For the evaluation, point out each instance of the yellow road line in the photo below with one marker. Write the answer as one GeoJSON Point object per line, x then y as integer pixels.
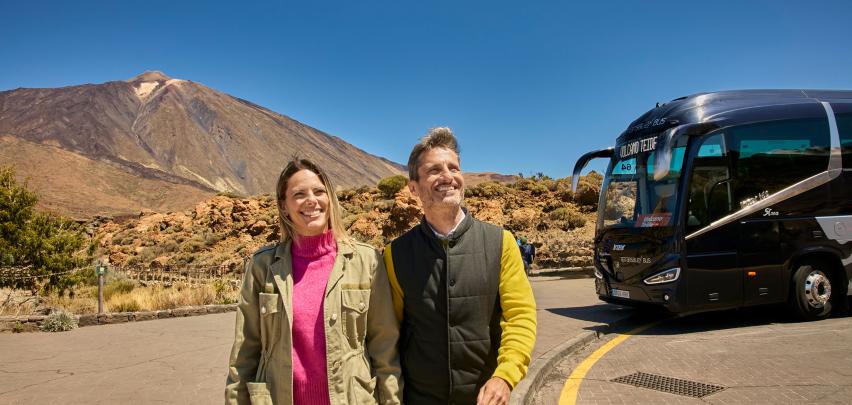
{"type": "Point", "coordinates": [572, 384]}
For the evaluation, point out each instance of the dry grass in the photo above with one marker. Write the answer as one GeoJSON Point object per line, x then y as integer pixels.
{"type": "Point", "coordinates": [85, 298]}
{"type": "Point", "coordinates": [179, 295]}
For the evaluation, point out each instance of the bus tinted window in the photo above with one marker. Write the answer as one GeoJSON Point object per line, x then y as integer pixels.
{"type": "Point", "coordinates": [844, 125]}
{"type": "Point", "coordinates": [771, 156]}
{"type": "Point", "coordinates": [709, 185]}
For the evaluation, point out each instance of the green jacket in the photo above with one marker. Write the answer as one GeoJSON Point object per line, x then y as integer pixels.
{"type": "Point", "coordinates": [361, 331]}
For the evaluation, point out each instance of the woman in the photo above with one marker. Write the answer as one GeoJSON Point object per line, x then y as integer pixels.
{"type": "Point", "coordinates": [315, 322]}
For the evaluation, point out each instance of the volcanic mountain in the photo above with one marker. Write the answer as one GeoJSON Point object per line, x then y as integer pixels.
{"type": "Point", "coordinates": [154, 142]}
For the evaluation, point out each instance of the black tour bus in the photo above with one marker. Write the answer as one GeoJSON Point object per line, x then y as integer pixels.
{"type": "Point", "coordinates": [729, 199]}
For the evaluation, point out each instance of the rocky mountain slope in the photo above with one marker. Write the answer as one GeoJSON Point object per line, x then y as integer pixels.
{"type": "Point", "coordinates": [122, 139]}
{"type": "Point", "coordinates": [225, 230]}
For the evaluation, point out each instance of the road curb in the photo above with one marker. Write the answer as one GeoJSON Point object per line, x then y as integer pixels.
{"type": "Point", "coordinates": [539, 369]}
{"type": "Point", "coordinates": [525, 390]}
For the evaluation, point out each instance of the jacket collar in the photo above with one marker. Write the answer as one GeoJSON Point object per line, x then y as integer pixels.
{"type": "Point", "coordinates": [456, 234]}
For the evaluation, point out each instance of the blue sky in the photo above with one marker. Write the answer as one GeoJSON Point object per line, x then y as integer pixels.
{"type": "Point", "coordinates": [526, 86]}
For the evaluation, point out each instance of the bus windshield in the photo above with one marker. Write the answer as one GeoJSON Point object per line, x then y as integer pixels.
{"type": "Point", "coordinates": [630, 196]}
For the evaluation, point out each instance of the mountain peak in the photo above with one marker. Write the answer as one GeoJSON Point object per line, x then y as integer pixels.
{"type": "Point", "coordinates": [150, 76]}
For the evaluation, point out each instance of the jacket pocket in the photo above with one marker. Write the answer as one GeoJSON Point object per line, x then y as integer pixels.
{"type": "Point", "coordinates": [355, 305]}
{"type": "Point", "coordinates": [259, 393]}
{"type": "Point", "coordinates": [269, 304]}
{"type": "Point", "coordinates": [362, 391]}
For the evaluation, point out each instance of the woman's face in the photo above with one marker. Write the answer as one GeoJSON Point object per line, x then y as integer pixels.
{"type": "Point", "coordinates": [306, 203]}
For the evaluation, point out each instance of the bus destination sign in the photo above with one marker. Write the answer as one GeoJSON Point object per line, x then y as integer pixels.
{"type": "Point", "coordinates": [642, 145]}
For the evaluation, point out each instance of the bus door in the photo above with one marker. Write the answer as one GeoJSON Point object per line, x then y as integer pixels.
{"type": "Point", "coordinates": [714, 279]}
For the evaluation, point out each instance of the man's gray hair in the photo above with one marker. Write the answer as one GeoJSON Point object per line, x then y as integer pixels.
{"type": "Point", "coordinates": [440, 137]}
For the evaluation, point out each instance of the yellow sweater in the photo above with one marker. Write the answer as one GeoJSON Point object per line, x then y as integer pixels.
{"type": "Point", "coordinates": [516, 301]}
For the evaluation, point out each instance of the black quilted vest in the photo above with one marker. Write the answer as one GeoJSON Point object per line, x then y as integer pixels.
{"type": "Point", "coordinates": [451, 321]}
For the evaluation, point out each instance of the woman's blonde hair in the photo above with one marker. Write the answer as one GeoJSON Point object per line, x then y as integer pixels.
{"type": "Point", "coordinates": [334, 216]}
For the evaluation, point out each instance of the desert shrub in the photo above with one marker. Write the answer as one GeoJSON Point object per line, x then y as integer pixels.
{"type": "Point", "coordinates": [389, 186]}
{"type": "Point", "coordinates": [383, 205]}
{"type": "Point", "coordinates": [224, 292]}
{"type": "Point", "coordinates": [569, 218]}
{"type": "Point", "coordinates": [146, 255]}
{"type": "Point", "coordinates": [211, 238]}
{"type": "Point", "coordinates": [349, 220]}
{"type": "Point", "coordinates": [538, 188]}
{"type": "Point", "coordinates": [345, 194]}
{"type": "Point", "coordinates": [487, 189]}
{"type": "Point", "coordinates": [552, 185]}
{"type": "Point", "coordinates": [523, 184]}
{"type": "Point", "coordinates": [352, 209]}
{"type": "Point", "coordinates": [587, 191]}
{"type": "Point", "coordinates": [193, 245]}
{"type": "Point", "coordinates": [551, 205]}
{"type": "Point", "coordinates": [564, 194]}
{"type": "Point", "coordinates": [169, 246]}
{"type": "Point", "coordinates": [59, 321]}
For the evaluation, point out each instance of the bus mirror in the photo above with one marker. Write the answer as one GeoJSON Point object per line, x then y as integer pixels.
{"type": "Point", "coordinates": [663, 157]}
{"type": "Point", "coordinates": [581, 163]}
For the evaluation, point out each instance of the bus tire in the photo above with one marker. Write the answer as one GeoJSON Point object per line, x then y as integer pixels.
{"type": "Point", "coordinates": [811, 296]}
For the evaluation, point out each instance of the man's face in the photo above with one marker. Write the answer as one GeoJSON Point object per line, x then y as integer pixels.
{"type": "Point", "coordinates": [440, 181]}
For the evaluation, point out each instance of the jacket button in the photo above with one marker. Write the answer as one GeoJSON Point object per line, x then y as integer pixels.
{"type": "Point", "coordinates": [361, 305]}
{"type": "Point", "coordinates": [451, 244]}
{"type": "Point", "coordinates": [333, 317]}
{"type": "Point", "coordinates": [262, 310]}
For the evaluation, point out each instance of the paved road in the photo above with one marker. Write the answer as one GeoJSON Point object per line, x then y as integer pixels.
{"type": "Point", "coordinates": [759, 356]}
{"type": "Point", "coordinates": [183, 361]}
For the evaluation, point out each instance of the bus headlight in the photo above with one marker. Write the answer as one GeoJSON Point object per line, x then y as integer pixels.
{"type": "Point", "coordinates": [598, 274]}
{"type": "Point", "coordinates": [664, 276]}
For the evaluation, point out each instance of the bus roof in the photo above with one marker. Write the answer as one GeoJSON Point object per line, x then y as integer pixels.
{"type": "Point", "coordinates": [731, 108]}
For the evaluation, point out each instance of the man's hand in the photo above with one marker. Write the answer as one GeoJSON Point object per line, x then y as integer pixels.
{"type": "Point", "coordinates": [495, 392]}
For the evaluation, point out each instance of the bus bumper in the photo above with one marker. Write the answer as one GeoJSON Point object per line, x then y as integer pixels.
{"type": "Point", "coordinates": [665, 296]}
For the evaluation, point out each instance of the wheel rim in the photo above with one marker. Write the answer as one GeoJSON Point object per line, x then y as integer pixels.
{"type": "Point", "coordinates": [817, 289]}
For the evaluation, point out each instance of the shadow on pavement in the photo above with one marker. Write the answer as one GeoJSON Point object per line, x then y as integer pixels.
{"type": "Point", "coordinates": [706, 321]}
{"type": "Point", "coordinates": [594, 313]}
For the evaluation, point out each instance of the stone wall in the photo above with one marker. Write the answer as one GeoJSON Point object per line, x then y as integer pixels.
{"type": "Point", "coordinates": [31, 323]}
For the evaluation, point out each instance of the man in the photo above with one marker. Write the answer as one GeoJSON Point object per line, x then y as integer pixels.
{"type": "Point", "coordinates": [466, 309]}
{"type": "Point", "coordinates": [527, 253]}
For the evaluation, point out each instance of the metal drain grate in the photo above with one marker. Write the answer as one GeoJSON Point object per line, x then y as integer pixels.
{"type": "Point", "coordinates": [669, 384]}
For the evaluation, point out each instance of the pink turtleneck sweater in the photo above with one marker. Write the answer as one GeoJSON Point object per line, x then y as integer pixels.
{"type": "Point", "coordinates": [313, 258]}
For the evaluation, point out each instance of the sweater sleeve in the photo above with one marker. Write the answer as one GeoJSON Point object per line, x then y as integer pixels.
{"type": "Point", "coordinates": [519, 315]}
{"type": "Point", "coordinates": [396, 290]}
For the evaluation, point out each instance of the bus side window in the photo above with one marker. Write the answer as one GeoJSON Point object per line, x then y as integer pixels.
{"type": "Point", "coordinates": [709, 185]}
{"type": "Point", "coordinates": [770, 156]}
{"type": "Point", "coordinates": [844, 125]}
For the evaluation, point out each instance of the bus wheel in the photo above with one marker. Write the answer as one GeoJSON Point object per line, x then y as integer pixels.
{"type": "Point", "coordinates": [811, 295]}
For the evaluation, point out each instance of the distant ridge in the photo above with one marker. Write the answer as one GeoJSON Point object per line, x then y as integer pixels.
{"type": "Point", "coordinates": [177, 133]}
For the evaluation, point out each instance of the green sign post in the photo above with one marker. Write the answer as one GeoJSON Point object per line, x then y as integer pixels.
{"type": "Point", "coordinates": [100, 270]}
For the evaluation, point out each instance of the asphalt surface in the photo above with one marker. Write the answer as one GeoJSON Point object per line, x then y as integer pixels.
{"type": "Point", "coordinates": [184, 360]}
{"type": "Point", "coordinates": [755, 356]}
